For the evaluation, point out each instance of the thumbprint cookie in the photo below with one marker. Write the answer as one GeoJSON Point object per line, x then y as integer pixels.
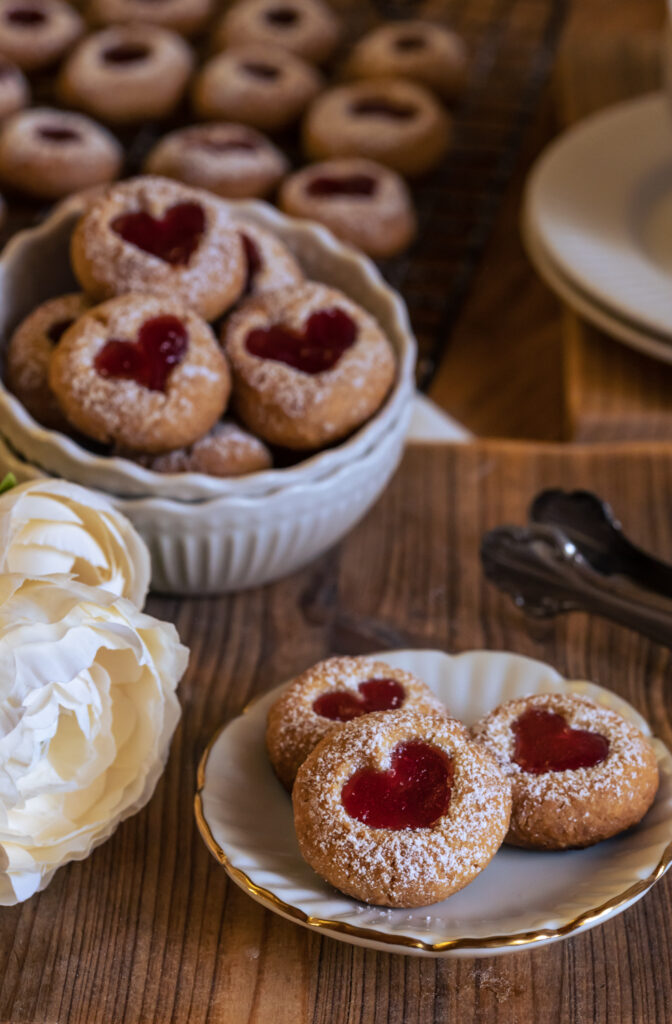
{"type": "Point", "coordinates": [231, 160]}
{"type": "Point", "coordinates": [157, 236]}
{"type": "Point", "coordinates": [227, 450]}
{"type": "Point", "coordinates": [36, 33]}
{"type": "Point", "coordinates": [183, 16]}
{"type": "Point", "coordinates": [362, 202]}
{"type": "Point", "coordinates": [308, 28]}
{"type": "Point", "coordinates": [309, 365]}
{"type": "Point", "coordinates": [50, 153]}
{"type": "Point", "coordinates": [400, 808]}
{"type": "Point", "coordinates": [143, 373]}
{"type": "Point", "coordinates": [270, 264]}
{"type": "Point", "coordinates": [260, 85]}
{"type": "Point", "coordinates": [334, 691]}
{"type": "Point", "coordinates": [14, 90]}
{"type": "Point", "coordinates": [29, 354]}
{"type": "Point", "coordinates": [427, 53]}
{"type": "Point", "coordinates": [127, 73]}
{"type": "Point", "coordinates": [579, 772]}
{"type": "Point", "coordinates": [396, 122]}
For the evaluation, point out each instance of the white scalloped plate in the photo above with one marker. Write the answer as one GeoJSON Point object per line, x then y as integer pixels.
{"type": "Point", "coordinates": [522, 899]}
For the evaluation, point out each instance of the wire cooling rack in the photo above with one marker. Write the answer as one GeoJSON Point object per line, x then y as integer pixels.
{"type": "Point", "coordinates": [511, 45]}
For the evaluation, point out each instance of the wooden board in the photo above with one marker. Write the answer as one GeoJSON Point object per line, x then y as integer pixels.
{"type": "Point", "coordinates": [148, 929]}
{"type": "Point", "coordinates": [610, 52]}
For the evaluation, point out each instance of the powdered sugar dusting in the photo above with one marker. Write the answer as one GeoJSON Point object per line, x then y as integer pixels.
{"type": "Point", "coordinates": [294, 728]}
{"type": "Point", "coordinates": [108, 265]}
{"type": "Point", "coordinates": [208, 156]}
{"type": "Point", "coordinates": [123, 411]}
{"type": "Point", "coordinates": [616, 782]}
{"type": "Point", "coordinates": [278, 266]}
{"type": "Point", "coordinates": [363, 217]}
{"type": "Point", "coordinates": [227, 450]}
{"type": "Point", "coordinates": [294, 393]}
{"type": "Point", "coordinates": [408, 867]}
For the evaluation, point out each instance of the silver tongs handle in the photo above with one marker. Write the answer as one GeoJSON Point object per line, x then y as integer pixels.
{"type": "Point", "coordinates": [545, 573]}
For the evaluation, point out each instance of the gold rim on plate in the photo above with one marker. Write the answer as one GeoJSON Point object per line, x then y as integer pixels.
{"type": "Point", "coordinates": [518, 939]}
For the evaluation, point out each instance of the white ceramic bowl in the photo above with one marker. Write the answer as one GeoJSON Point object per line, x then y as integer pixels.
{"type": "Point", "coordinates": [232, 543]}
{"type": "Point", "coordinates": [35, 266]}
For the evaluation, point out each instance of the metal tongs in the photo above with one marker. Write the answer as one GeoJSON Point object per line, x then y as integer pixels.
{"type": "Point", "coordinates": [574, 556]}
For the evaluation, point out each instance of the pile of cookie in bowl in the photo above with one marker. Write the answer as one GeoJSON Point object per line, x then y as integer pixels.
{"type": "Point", "coordinates": [239, 382]}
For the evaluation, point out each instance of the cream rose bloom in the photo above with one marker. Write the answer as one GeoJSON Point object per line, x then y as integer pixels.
{"type": "Point", "coordinates": [87, 711]}
{"type": "Point", "coordinates": [53, 526]}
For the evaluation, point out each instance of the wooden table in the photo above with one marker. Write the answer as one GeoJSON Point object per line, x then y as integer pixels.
{"type": "Point", "coordinates": [149, 929]}
{"type": "Point", "coordinates": [517, 364]}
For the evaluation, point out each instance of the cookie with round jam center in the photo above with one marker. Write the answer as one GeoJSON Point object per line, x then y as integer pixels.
{"type": "Point", "coordinates": [353, 185]}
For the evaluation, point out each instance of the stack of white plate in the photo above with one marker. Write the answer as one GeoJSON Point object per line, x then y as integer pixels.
{"type": "Point", "coordinates": [597, 221]}
{"type": "Point", "coordinates": [205, 534]}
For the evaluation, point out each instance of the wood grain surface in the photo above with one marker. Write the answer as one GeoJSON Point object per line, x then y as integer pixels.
{"type": "Point", "coordinates": [148, 929]}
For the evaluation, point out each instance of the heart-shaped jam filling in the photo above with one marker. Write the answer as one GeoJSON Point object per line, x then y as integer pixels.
{"type": "Point", "coordinates": [172, 238]}
{"type": "Point", "coordinates": [253, 257]}
{"type": "Point", "coordinates": [376, 695]}
{"type": "Point", "coordinates": [160, 346]}
{"type": "Point", "coordinates": [283, 17]}
{"type": "Point", "coordinates": [55, 134]}
{"type": "Point", "coordinates": [26, 16]}
{"type": "Point", "coordinates": [258, 70]}
{"type": "Point", "coordinates": [325, 337]}
{"type": "Point", "coordinates": [408, 43]}
{"type": "Point", "coordinates": [545, 742]}
{"type": "Point", "coordinates": [126, 53]}
{"type": "Point", "coordinates": [384, 108]}
{"type": "Point", "coordinates": [352, 185]}
{"type": "Point", "coordinates": [57, 330]}
{"type": "Point", "coordinates": [413, 793]}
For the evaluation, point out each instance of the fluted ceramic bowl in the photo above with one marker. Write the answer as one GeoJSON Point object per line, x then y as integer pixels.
{"type": "Point", "coordinates": [235, 542]}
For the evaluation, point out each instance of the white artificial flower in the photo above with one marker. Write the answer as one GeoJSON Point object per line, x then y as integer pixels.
{"type": "Point", "coordinates": [87, 712]}
{"type": "Point", "coordinates": [53, 526]}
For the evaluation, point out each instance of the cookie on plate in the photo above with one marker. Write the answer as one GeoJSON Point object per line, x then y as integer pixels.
{"type": "Point", "coordinates": [400, 808]}
{"type": "Point", "coordinates": [579, 772]}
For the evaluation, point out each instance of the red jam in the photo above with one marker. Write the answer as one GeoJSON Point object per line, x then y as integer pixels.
{"type": "Point", "coordinates": [226, 145]}
{"type": "Point", "coordinates": [384, 108]}
{"type": "Point", "coordinates": [282, 16]}
{"type": "Point", "coordinates": [407, 43]}
{"type": "Point", "coordinates": [413, 793]}
{"type": "Point", "coordinates": [161, 345]}
{"type": "Point", "coordinates": [173, 237]}
{"type": "Point", "coordinates": [57, 330]}
{"type": "Point", "coordinates": [126, 53]}
{"type": "Point", "coordinates": [58, 134]}
{"type": "Point", "coordinates": [545, 742]}
{"type": "Point", "coordinates": [325, 337]}
{"type": "Point", "coordinates": [353, 185]}
{"type": "Point", "coordinates": [261, 70]}
{"type": "Point", "coordinates": [376, 695]}
{"type": "Point", "coordinates": [253, 257]}
{"type": "Point", "coordinates": [26, 16]}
